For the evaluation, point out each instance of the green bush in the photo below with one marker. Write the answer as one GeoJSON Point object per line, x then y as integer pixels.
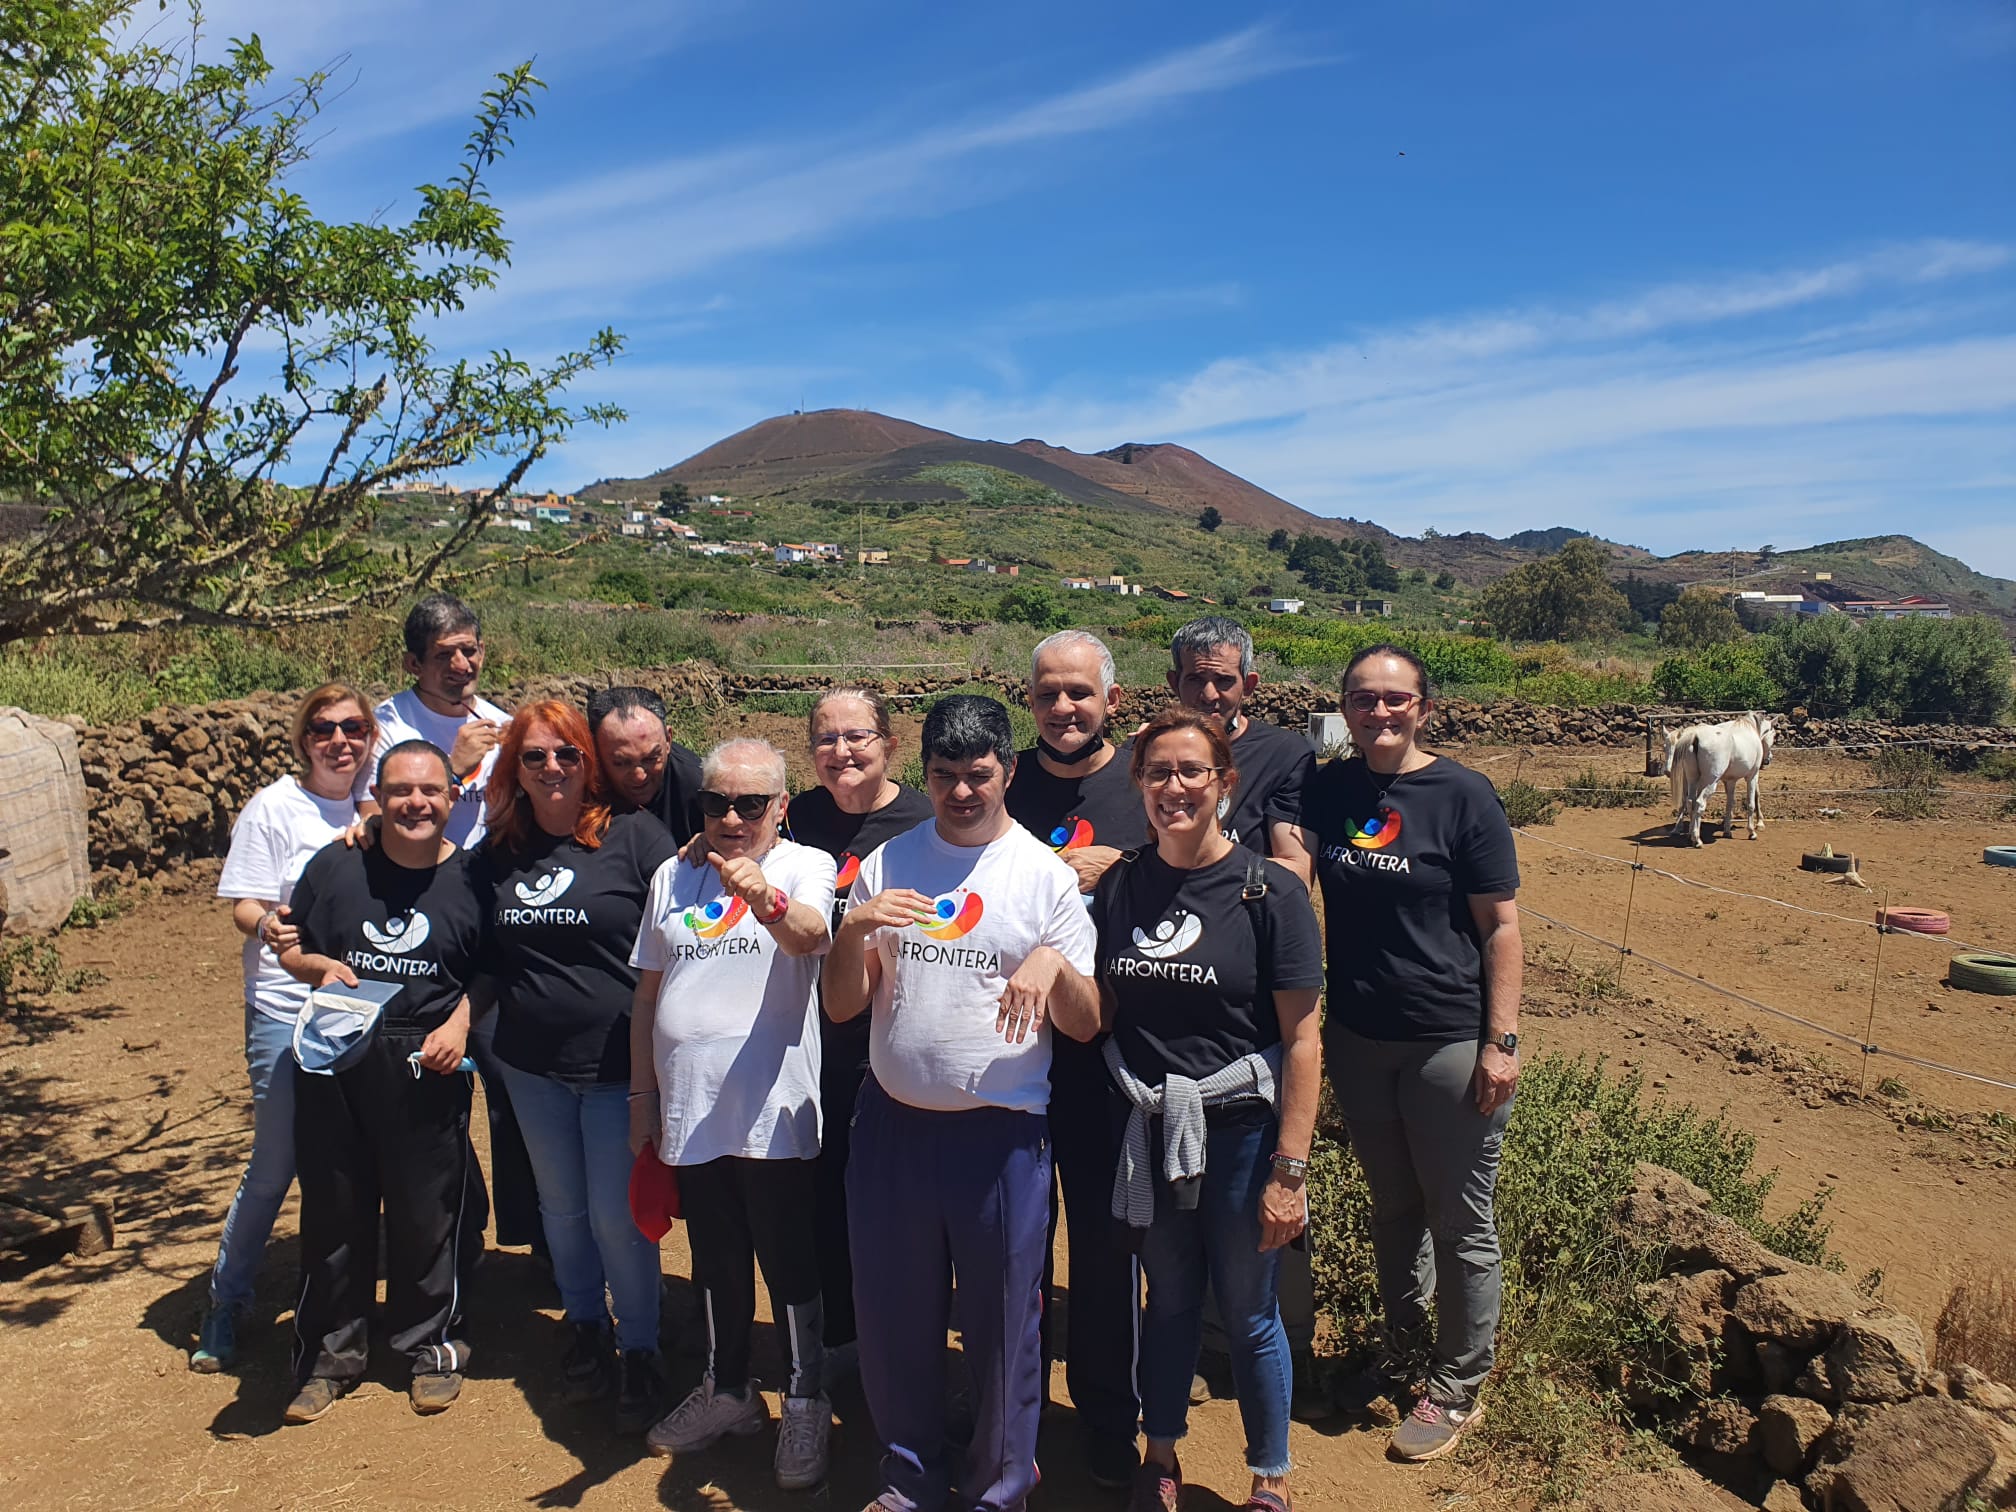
{"type": "Point", "coordinates": [1031, 605]}
{"type": "Point", "coordinates": [1910, 778]}
{"type": "Point", "coordinates": [1593, 788]}
{"type": "Point", "coordinates": [1527, 804]}
{"type": "Point", "coordinates": [623, 585]}
{"type": "Point", "coordinates": [1571, 1317]}
{"type": "Point", "coordinates": [1813, 657]}
{"type": "Point", "coordinates": [1734, 675]}
{"type": "Point", "coordinates": [1955, 669]}
{"type": "Point", "coordinates": [1467, 660]}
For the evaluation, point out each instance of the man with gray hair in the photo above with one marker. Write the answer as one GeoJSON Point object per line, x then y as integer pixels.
{"type": "Point", "coordinates": [1213, 674]}
{"type": "Point", "coordinates": [647, 769]}
{"type": "Point", "coordinates": [1072, 792]}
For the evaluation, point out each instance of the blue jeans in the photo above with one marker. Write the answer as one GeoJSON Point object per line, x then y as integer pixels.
{"type": "Point", "coordinates": [269, 1056]}
{"type": "Point", "coordinates": [579, 1141]}
{"type": "Point", "coordinates": [1218, 1243]}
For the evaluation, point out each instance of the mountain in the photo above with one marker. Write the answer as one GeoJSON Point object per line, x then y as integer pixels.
{"type": "Point", "coordinates": [858, 456]}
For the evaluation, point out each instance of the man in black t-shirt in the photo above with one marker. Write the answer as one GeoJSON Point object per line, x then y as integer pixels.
{"type": "Point", "coordinates": [392, 1125]}
{"type": "Point", "coordinates": [1072, 792]}
{"type": "Point", "coordinates": [647, 769]}
{"type": "Point", "coordinates": [1213, 674]}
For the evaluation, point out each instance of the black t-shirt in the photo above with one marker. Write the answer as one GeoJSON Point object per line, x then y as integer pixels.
{"type": "Point", "coordinates": [814, 819]}
{"type": "Point", "coordinates": [1192, 977]}
{"type": "Point", "coordinates": [1070, 813]}
{"type": "Point", "coordinates": [562, 921]}
{"type": "Point", "coordinates": [1400, 859]}
{"type": "Point", "coordinates": [676, 806]}
{"type": "Point", "coordinates": [1275, 765]}
{"type": "Point", "coordinates": [421, 927]}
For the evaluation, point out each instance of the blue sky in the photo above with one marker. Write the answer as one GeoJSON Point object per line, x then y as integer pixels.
{"type": "Point", "coordinates": [1707, 276]}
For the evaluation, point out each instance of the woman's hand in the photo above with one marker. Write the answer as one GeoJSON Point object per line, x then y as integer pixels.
{"type": "Point", "coordinates": [1497, 1074]}
{"type": "Point", "coordinates": [643, 1120]}
{"type": "Point", "coordinates": [362, 833]}
{"type": "Point", "coordinates": [695, 851]}
{"type": "Point", "coordinates": [892, 908]}
{"type": "Point", "coordinates": [744, 878]}
{"type": "Point", "coordinates": [278, 932]}
{"type": "Point", "coordinates": [1284, 1211]}
{"type": "Point", "coordinates": [337, 973]}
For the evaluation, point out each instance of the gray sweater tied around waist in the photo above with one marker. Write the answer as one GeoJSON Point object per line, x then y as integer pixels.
{"type": "Point", "coordinates": [1180, 1103]}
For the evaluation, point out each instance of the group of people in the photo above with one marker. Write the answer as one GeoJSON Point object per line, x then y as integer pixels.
{"type": "Point", "coordinates": [877, 1039]}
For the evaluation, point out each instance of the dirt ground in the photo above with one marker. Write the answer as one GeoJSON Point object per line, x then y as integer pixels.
{"type": "Point", "coordinates": [135, 1088]}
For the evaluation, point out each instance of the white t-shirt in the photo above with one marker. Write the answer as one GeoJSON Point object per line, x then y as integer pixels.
{"type": "Point", "coordinates": [404, 717]}
{"type": "Point", "coordinates": [735, 1038]}
{"type": "Point", "coordinates": [277, 831]}
{"type": "Point", "coordinates": [932, 1041]}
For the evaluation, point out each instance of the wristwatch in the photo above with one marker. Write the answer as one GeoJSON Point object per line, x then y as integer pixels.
{"type": "Point", "coordinates": [1508, 1042]}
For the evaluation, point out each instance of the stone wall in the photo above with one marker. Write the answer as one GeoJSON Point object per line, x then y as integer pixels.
{"type": "Point", "coordinates": [165, 788]}
{"type": "Point", "coordinates": [1795, 1389]}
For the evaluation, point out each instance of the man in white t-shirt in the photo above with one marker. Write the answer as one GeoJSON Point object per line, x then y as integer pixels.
{"type": "Point", "coordinates": [444, 657]}
{"type": "Point", "coordinates": [968, 942]}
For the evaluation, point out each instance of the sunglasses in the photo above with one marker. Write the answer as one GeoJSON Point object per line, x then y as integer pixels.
{"type": "Point", "coordinates": [532, 758]}
{"type": "Point", "coordinates": [1364, 701]}
{"type": "Point", "coordinates": [322, 729]}
{"type": "Point", "coordinates": [747, 806]}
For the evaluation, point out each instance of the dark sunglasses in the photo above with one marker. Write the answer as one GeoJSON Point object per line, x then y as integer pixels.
{"type": "Point", "coordinates": [322, 729]}
{"type": "Point", "coordinates": [534, 759]}
{"type": "Point", "coordinates": [748, 806]}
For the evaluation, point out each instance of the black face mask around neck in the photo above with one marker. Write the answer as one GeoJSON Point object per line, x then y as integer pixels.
{"type": "Point", "coordinates": [1078, 757]}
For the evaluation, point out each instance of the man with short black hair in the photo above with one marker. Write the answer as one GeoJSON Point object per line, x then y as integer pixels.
{"type": "Point", "coordinates": [966, 939]}
{"type": "Point", "coordinates": [647, 769]}
{"type": "Point", "coordinates": [386, 1120]}
{"type": "Point", "coordinates": [1072, 791]}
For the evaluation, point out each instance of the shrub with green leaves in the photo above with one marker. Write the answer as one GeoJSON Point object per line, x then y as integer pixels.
{"type": "Point", "coordinates": [1594, 788]}
{"type": "Point", "coordinates": [1571, 1316]}
{"type": "Point", "coordinates": [1733, 675]}
{"type": "Point", "coordinates": [1527, 804]}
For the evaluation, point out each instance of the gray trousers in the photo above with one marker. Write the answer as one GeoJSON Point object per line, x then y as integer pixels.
{"type": "Point", "coordinates": [1431, 1161]}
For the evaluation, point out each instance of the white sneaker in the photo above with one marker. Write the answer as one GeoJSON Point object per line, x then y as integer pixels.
{"type": "Point", "coordinates": [801, 1443]}
{"type": "Point", "coordinates": [707, 1416]}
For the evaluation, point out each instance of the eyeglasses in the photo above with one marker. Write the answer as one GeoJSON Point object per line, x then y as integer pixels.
{"type": "Point", "coordinates": [846, 738]}
{"type": "Point", "coordinates": [322, 729]}
{"type": "Point", "coordinates": [746, 805]}
{"type": "Point", "coordinates": [533, 758]}
{"type": "Point", "coordinates": [1189, 773]}
{"type": "Point", "coordinates": [1364, 701]}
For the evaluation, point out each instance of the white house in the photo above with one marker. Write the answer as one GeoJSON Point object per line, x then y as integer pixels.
{"type": "Point", "coordinates": [633, 528]}
{"type": "Point", "coordinates": [1285, 605]}
{"type": "Point", "coordinates": [792, 553]}
{"type": "Point", "coordinates": [1080, 585]}
{"type": "Point", "coordinates": [553, 514]}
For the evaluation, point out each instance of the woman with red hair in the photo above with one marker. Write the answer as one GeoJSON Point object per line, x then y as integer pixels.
{"type": "Point", "coordinates": [563, 881]}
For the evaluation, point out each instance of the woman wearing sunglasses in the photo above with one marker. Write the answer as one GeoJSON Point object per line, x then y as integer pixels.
{"type": "Point", "coordinates": [725, 1086]}
{"type": "Point", "coordinates": [854, 809]}
{"type": "Point", "coordinates": [563, 880]}
{"type": "Point", "coordinates": [1210, 965]}
{"type": "Point", "coordinates": [1421, 1039]}
{"type": "Point", "coordinates": [281, 826]}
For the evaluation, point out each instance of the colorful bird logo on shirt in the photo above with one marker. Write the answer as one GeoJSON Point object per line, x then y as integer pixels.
{"type": "Point", "coordinates": [1073, 834]}
{"type": "Point", "coordinates": [950, 918]}
{"type": "Point", "coordinates": [715, 919]}
{"type": "Point", "coordinates": [1377, 832]}
{"type": "Point", "coordinates": [850, 868]}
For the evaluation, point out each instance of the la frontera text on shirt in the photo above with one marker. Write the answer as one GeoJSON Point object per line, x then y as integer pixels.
{"type": "Point", "coordinates": [1366, 860]}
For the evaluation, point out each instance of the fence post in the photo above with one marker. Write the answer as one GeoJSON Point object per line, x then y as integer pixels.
{"type": "Point", "coordinates": [1630, 897]}
{"type": "Point", "coordinates": [1875, 979]}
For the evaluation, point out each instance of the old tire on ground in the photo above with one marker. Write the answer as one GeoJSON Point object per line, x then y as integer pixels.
{"type": "Point", "coordinates": [2000, 855]}
{"type": "Point", "coordinates": [1979, 971]}
{"type": "Point", "coordinates": [1917, 920]}
{"type": "Point", "coordinates": [1814, 861]}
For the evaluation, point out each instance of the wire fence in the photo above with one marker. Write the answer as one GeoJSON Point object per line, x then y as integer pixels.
{"type": "Point", "coordinates": [1864, 1044]}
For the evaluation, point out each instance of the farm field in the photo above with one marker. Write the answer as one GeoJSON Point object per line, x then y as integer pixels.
{"type": "Point", "coordinates": [139, 1082]}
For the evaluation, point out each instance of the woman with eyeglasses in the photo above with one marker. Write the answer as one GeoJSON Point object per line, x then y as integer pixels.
{"type": "Point", "coordinates": [854, 809]}
{"type": "Point", "coordinates": [280, 828]}
{"type": "Point", "coordinates": [725, 1087]}
{"type": "Point", "coordinates": [1421, 1039]}
{"type": "Point", "coordinates": [563, 881]}
{"type": "Point", "coordinates": [1210, 965]}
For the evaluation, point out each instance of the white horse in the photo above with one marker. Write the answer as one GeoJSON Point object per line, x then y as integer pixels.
{"type": "Point", "coordinates": [1703, 757]}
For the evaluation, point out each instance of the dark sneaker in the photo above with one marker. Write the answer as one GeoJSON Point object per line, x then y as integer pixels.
{"type": "Point", "coordinates": [1433, 1428]}
{"type": "Point", "coordinates": [1310, 1402]}
{"type": "Point", "coordinates": [435, 1391]}
{"type": "Point", "coordinates": [1111, 1462]}
{"type": "Point", "coordinates": [588, 1368]}
{"type": "Point", "coordinates": [216, 1342]}
{"type": "Point", "coordinates": [312, 1400]}
{"type": "Point", "coordinates": [640, 1393]}
{"type": "Point", "coordinates": [1156, 1488]}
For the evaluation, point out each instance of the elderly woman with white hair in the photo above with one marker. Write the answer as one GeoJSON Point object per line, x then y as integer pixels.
{"type": "Point", "coordinates": [725, 1083]}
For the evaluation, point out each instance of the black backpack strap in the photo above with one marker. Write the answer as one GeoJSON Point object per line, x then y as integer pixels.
{"type": "Point", "coordinates": [1254, 895]}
